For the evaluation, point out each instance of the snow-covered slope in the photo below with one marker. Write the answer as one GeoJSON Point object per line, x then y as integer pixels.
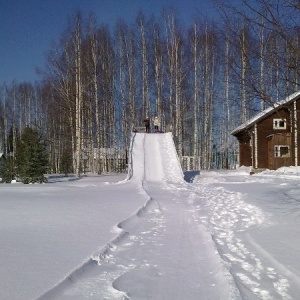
{"type": "Point", "coordinates": [153, 157]}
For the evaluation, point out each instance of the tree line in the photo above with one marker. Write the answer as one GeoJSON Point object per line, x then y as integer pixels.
{"type": "Point", "coordinates": [201, 80]}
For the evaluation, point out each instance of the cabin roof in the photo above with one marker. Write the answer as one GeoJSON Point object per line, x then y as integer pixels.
{"type": "Point", "coordinates": [262, 115]}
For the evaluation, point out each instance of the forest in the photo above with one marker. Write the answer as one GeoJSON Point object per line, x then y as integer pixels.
{"type": "Point", "coordinates": [201, 79]}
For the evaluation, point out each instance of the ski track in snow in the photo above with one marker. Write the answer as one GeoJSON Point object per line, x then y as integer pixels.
{"type": "Point", "coordinates": [206, 215]}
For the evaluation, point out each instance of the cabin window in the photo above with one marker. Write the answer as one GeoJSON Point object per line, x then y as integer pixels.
{"type": "Point", "coordinates": [279, 123]}
{"type": "Point", "coordinates": [281, 151]}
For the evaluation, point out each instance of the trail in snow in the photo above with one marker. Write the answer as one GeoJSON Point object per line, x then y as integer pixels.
{"type": "Point", "coordinates": [168, 239]}
{"type": "Point", "coordinates": [229, 216]}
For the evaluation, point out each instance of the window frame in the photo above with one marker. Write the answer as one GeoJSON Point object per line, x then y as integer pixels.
{"type": "Point", "coordinates": [276, 123]}
{"type": "Point", "coordinates": [277, 152]}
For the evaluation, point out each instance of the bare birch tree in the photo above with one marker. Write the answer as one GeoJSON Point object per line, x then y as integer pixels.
{"type": "Point", "coordinates": [146, 108]}
{"type": "Point", "coordinates": [160, 110]}
{"type": "Point", "coordinates": [194, 36]}
{"type": "Point", "coordinates": [176, 73]}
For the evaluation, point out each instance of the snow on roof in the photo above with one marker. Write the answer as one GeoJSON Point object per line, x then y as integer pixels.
{"type": "Point", "coordinates": [265, 113]}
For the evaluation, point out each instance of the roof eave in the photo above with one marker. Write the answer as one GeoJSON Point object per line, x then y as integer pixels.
{"type": "Point", "coordinates": [265, 113]}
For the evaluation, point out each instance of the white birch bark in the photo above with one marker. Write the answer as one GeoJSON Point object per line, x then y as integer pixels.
{"type": "Point", "coordinates": [78, 98]}
{"type": "Point", "coordinates": [243, 75]}
{"type": "Point", "coordinates": [262, 66]}
{"type": "Point", "coordinates": [195, 93]}
{"type": "Point", "coordinates": [158, 65]}
{"type": "Point", "coordinates": [145, 76]}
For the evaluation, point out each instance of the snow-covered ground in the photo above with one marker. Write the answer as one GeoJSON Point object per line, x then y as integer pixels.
{"type": "Point", "coordinates": [152, 235]}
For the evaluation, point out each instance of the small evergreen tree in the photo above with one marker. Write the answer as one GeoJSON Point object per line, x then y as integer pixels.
{"type": "Point", "coordinates": [31, 157]}
{"type": "Point", "coordinates": [7, 172]}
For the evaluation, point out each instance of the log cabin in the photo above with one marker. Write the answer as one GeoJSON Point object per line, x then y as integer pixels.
{"type": "Point", "coordinates": [270, 140]}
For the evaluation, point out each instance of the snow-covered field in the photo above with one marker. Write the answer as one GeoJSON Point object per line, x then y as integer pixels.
{"type": "Point", "coordinates": [152, 235]}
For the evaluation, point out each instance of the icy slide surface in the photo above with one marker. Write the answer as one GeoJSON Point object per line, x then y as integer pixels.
{"type": "Point", "coordinates": [154, 158]}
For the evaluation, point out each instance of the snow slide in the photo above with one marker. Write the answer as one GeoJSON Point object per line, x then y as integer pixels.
{"type": "Point", "coordinates": [153, 157]}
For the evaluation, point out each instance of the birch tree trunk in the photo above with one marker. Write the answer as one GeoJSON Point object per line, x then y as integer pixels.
{"type": "Point", "coordinates": [169, 32]}
{"type": "Point", "coordinates": [14, 121]}
{"type": "Point", "coordinates": [6, 114]}
{"type": "Point", "coordinates": [243, 74]}
{"type": "Point", "coordinates": [145, 76]}
{"type": "Point", "coordinates": [174, 51]}
{"type": "Point", "coordinates": [78, 97]}
{"type": "Point", "coordinates": [227, 105]}
{"type": "Point", "coordinates": [95, 103]}
{"type": "Point", "coordinates": [195, 92]}
{"type": "Point", "coordinates": [158, 69]}
{"type": "Point", "coordinates": [262, 66]}
{"type": "Point", "coordinates": [121, 37]}
{"type": "Point", "coordinates": [132, 73]}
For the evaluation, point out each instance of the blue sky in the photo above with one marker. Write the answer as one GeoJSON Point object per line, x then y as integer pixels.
{"type": "Point", "coordinates": [28, 27]}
